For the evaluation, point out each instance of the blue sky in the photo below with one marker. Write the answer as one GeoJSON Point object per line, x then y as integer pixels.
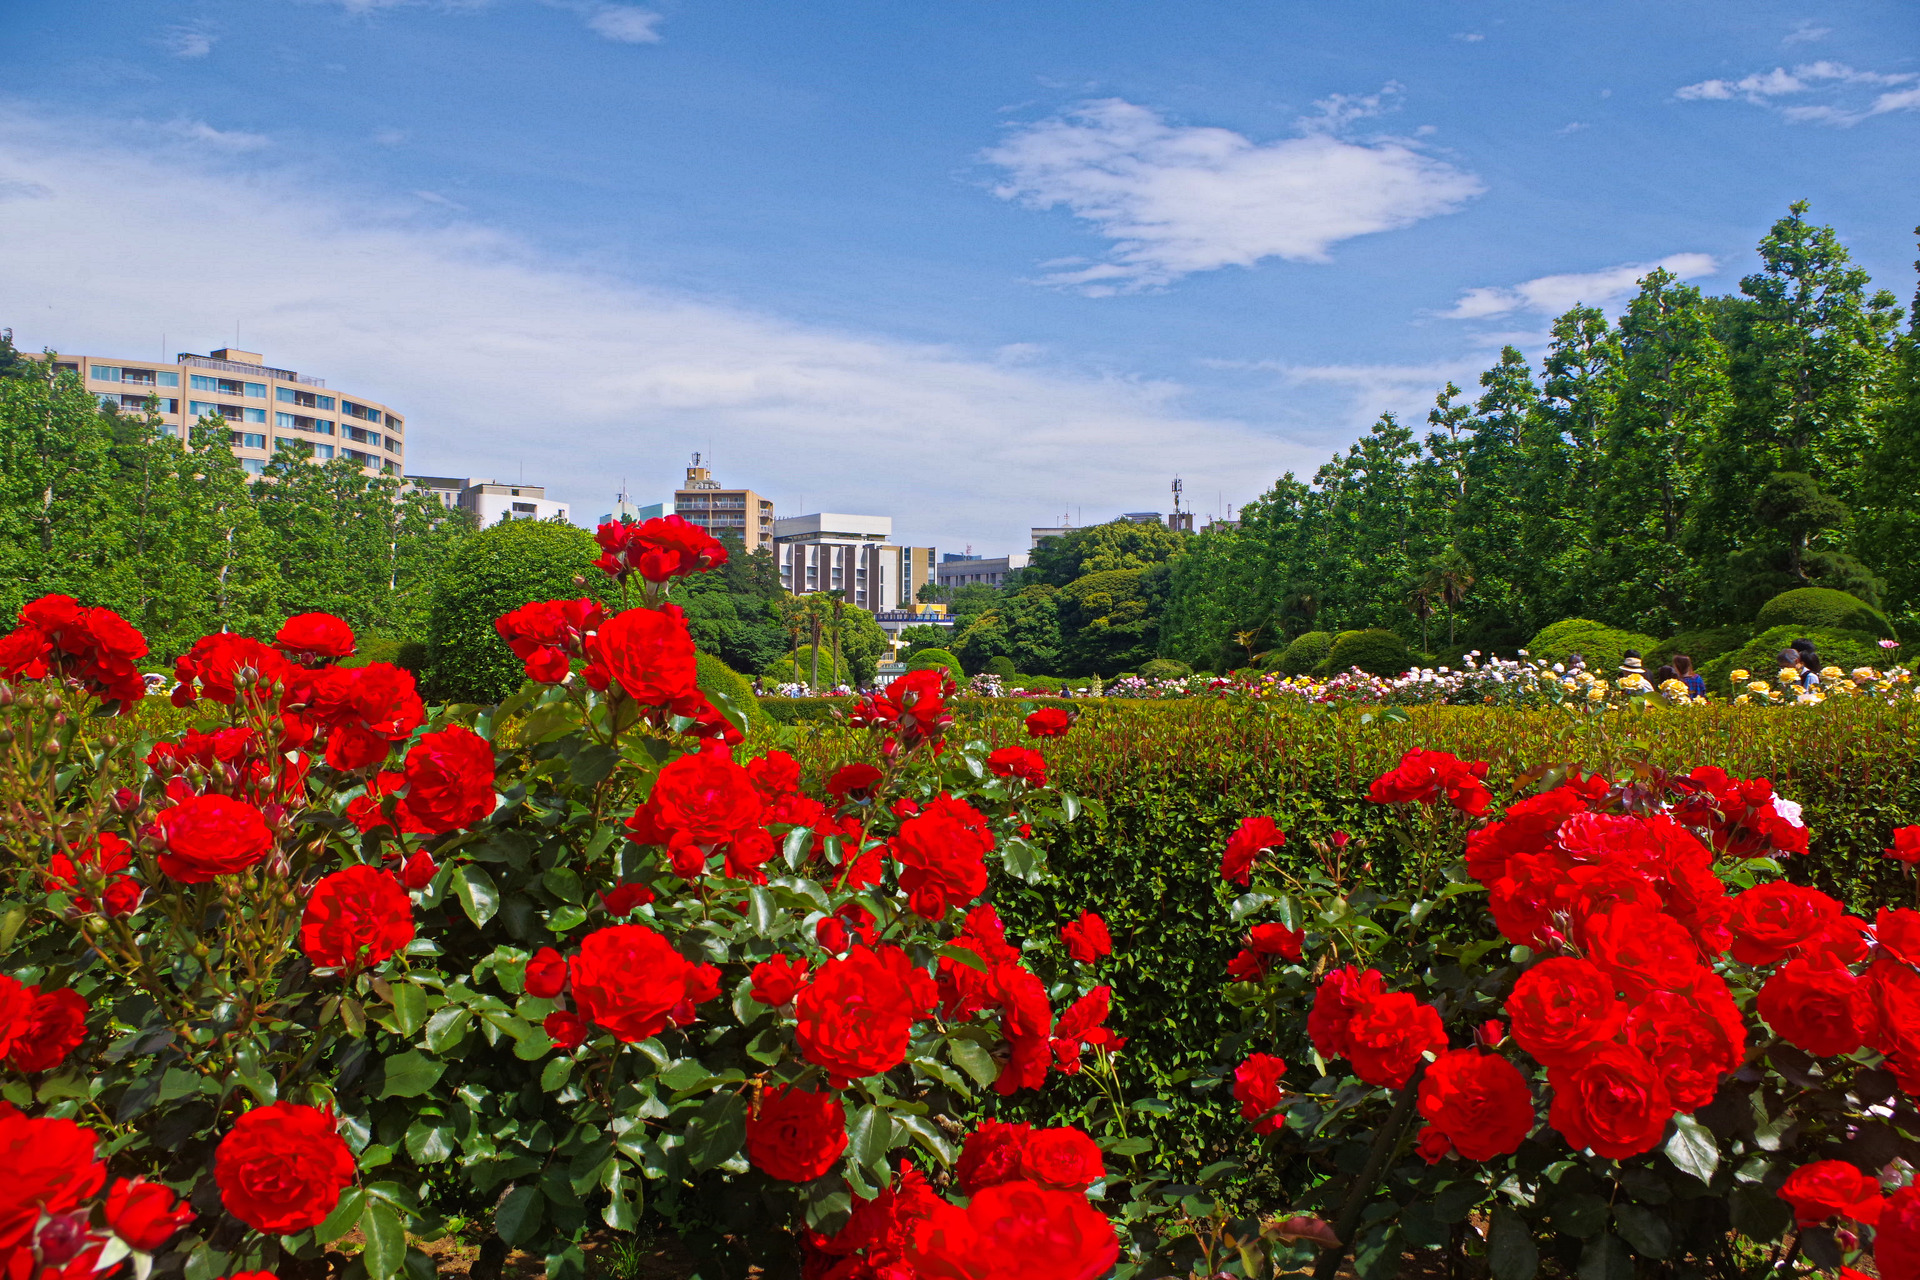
{"type": "Point", "coordinates": [967, 263]}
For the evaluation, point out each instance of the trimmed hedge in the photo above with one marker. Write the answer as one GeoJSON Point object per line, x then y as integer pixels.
{"type": "Point", "coordinates": [1761, 655]}
{"type": "Point", "coordinates": [1165, 669]}
{"type": "Point", "coordinates": [711, 674]}
{"type": "Point", "coordinates": [492, 573]}
{"type": "Point", "coordinates": [1376, 652]}
{"type": "Point", "coordinates": [1601, 645]}
{"type": "Point", "coordinates": [1307, 651]}
{"type": "Point", "coordinates": [1806, 607]}
{"type": "Point", "coordinates": [938, 658]}
{"type": "Point", "coordinates": [1702, 646]}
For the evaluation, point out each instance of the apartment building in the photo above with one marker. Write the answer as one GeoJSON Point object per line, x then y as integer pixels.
{"type": "Point", "coordinates": [980, 571]}
{"type": "Point", "coordinates": [264, 408]}
{"type": "Point", "coordinates": [831, 551]}
{"type": "Point", "coordinates": [490, 501]}
{"type": "Point", "coordinates": [741, 512]}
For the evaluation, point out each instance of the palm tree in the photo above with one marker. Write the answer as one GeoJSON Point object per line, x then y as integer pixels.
{"type": "Point", "coordinates": [1450, 577]}
{"type": "Point", "coordinates": [1420, 604]}
{"type": "Point", "coordinates": [792, 616]}
{"type": "Point", "coordinates": [816, 619]}
{"type": "Point", "coordinates": [839, 601]}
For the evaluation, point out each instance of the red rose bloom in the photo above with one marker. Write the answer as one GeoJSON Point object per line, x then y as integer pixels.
{"type": "Point", "coordinates": [1813, 1004]}
{"type": "Point", "coordinates": [1906, 845]}
{"type": "Point", "coordinates": [991, 1155]}
{"type": "Point", "coordinates": [1562, 1009]}
{"type": "Point", "coordinates": [50, 1165]}
{"type": "Point", "coordinates": [55, 1026]}
{"type": "Point", "coordinates": [145, 1214]}
{"type": "Point", "coordinates": [282, 1167]}
{"type": "Point", "coordinates": [1643, 952]}
{"type": "Point", "coordinates": [355, 919]}
{"type": "Point", "coordinates": [103, 858]}
{"type": "Point", "coordinates": [225, 664]}
{"type": "Point", "coordinates": [1479, 1100]}
{"type": "Point", "coordinates": [778, 981]}
{"type": "Point", "coordinates": [59, 636]}
{"type": "Point", "coordinates": [1341, 993]}
{"type": "Point", "coordinates": [1389, 1035]}
{"type": "Point", "coordinates": [1614, 1102]}
{"type": "Point", "coordinates": [1695, 1040]}
{"type": "Point", "coordinates": [853, 781]}
{"type": "Point", "coordinates": [705, 797]}
{"type": "Point", "coordinates": [1049, 722]}
{"type": "Point", "coordinates": [1770, 921]}
{"type": "Point", "coordinates": [650, 653]}
{"type": "Point", "coordinates": [1276, 940]}
{"type": "Point", "coordinates": [943, 849]}
{"type": "Point", "coordinates": [1012, 1231]}
{"type": "Point", "coordinates": [449, 780]}
{"type": "Point", "coordinates": [914, 707]}
{"type": "Point", "coordinates": [794, 1135]}
{"type": "Point", "coordinates": [1422, 777]}
{"type": "Point", "coordinates": [1832, 1189]}
{"type": "Point", "coordinates": [16, 1010]}
{"type": "Point", "coordinates": [660, 549]}
{"type": "Point", "coordinates": [568, 1031]}
{"type": "Point", "coordinates": [307, 636]}
{"type": "Point", "coordinates": [856, 1012]}
{"type": "Point", "coordinates": [621, 900]}
{"type": "Point", "coordinates": [548, 634]}
{"type": "Point", "coordinates": [1064, 1159]}
{"type": "Point", "coordinates": [1896, 1242]}
{"type": "Point", "coordinates": [211, 835]}
{"type": "Point", "coordinates": [1024, 763]}
{"type": "Point", "coordinates": [1256, 1087]}
{"type": "Point", "coordinates": [365, 711]}
{"type": "Point", "coordinates": [1087, 938]}
{"type": "Point", "coordinates": [630, 980]}
{"type": "Point", "coordinates": [1254, 837]}
{"type": "Point", "coordinates": [546, 974]}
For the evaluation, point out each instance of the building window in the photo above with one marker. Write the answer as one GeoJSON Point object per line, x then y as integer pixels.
{"type": "Point", "coordinates": [104, 373]}
{"type": "Point", "coordinates": [65, 366]}
{"type": "Point", "coordinates": [323, 451]}
{"type": "Point", "coordinates": [364, 459]}
{"type": "Point", "coordinates": [203, 409]}
{"type": "Point", "coordinates": [255, 415]}
{"type": "Point", "coordinates": [299, 422]}
{"type": "Point", "coordinates": [254, 466]}
{"type": "Point", "coordinates": [305, 399]}
{"type": "Point", "coordinates": [247, 439]}
{"type": "Point", "coordinates": [526, 507]}
{"type": "Point", "coordinates": [258, 390]}
{"type": "Point", "coordinates": [393, 444]}
{"type": "Point", "coordinates": [360, 434]}
{"type": "Point", "coordinates": [359, 411]}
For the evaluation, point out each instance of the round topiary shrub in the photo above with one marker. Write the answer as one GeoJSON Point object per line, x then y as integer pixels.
{"type": "Point", "coordinates": [1703, 645]}
{"type": "Point", "coordinates": [938, 658]}
{"type": "Point", "coordinates": [1602, 646]}
{"type": "Point", "coordinates": [999, 665]}
{"type": "Point", "coordinates": [1165, 669]}
{"type": "Point", "coordinates": [714, 676]}
{"type": "Point", "coordinates": [1306, 652]}
{"type": "Point", "coordinates": [1376, 652]}
{"type": "Point", "coordinates": [494, 572]}
{"type": "Point", "coordinates": [1823, 607]}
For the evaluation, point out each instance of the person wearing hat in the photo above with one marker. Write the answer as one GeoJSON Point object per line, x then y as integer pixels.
{"type": "Point", "coordinates": [1631, 664]}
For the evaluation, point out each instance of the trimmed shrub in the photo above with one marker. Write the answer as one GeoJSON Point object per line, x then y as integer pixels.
{"type": "Point", "coordinates": [940, 658]}
{"type": "Point", "coordinates": [714, 676]}
{"type": "Point", "coordinates": [1001, 665]}
{"type": "Point", "coordinates": [491, 573]}
{"type": "Point", "coordinates": [1305, 653]}
{"type": "Point", "coordinates": [1165, 669]}
{"type": "Point", "coordinates": [1761, 655]}
{"type": "Point", "coordinates": [1376, 652]}
{"type": "Point", "coordinates": [1806, 607]}
{"type": "Point", "coordinates": [1602, 645]}
{"type": "Point", "coordinates": [1702, 646]}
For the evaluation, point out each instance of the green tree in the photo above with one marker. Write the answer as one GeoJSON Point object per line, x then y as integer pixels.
{"type": "Point", "coordinates": [493, 572]}
{"type": "Point", "coordinates": [1118, 544]}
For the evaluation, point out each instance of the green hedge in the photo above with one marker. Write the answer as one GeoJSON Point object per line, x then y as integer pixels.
{"type": "Point", "coordinates": [492, 573]}
{"type": "Point", "coordinates": [1806, 607]}
{"type": "Point", "coordinates": [1376, 652]}
{"type": "Point", "coordinates": [1601, 645]}
{"type": "Point", "coordinates": [1760, 656]}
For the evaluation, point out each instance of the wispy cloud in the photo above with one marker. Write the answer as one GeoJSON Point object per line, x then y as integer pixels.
{"type": "Point", "coordinates": [1176, 199]}
{"type": "Point", "coordinates": [1805, 32]}
{"type": "Point", "coordinates": [389, 137]}
{"type": "Point", "coordinates": [625, 24]}
{"type": "Point", "coordinates": [1551, 295]}
{"type": "Point", "coordinates": [187, 42]}
{"type": "Point", "coordinates": [498, 353]}
{"type": "Point", "coordinates": [1468, 37]}
{"type": "Point", "coordinates": [1847, 92]}
{"type": "Point", "coordinates": [199, 131]}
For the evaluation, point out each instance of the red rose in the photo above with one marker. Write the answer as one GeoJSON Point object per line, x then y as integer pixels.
{"type": "Point", "coordinates": [778, 981]}
{"type": "Point", "coordinates": [856, 1012]}
{"type": "Point", "coordinates": [1049, 722]}
{"type": "Point", "coordinates": [853, 781]}
{"type": "Point", "coordinates": [1024, 763]}
{"type": "Point", "coordinates": [145, 1214]}
{"type": "Point", "coordinates": [282, 1167]}
{"type": "Point", "coordinates": [1529, 826]}
{"type": "Point", "coordinates": [1896, 931]}
{"type": "Point", "coordinates": [568, 1031]}
{"type": "Point", "coordinates": [794, 1135]}
{"type": "Point", "coordinates": [211, 835]}
{"type": "Point", "coordinates": [16, 1010]}
{"type": "Point", "coordinates": [1772, 920]}
{"type": "Point", "coordinates": [1340, 994]}
{"type": "Point", "coordinates": [1389, 1035]}
{"type": "Point", "coordinates": [1832, 1189]}
{"type": "Point", "coordinates": [547, 634]}
{"type": "Point", "coordinates": [54, 1028]}
{"type": "Point", "coordinates": [1080, 1025]}
{"type": "Point", "coordinates": [101, 859]}
{"type": "Point", "coordinates": [660, 549]}
{"type": "Point", "coordinates": [991, 1155]}
{"type": "Point", "coordinates": [546, 974]}
{"type": "Point", "coordinates": [1422, 777]}
{"type": "Point", "coordinates": [1087, 938]}
{"type": "Point", "coordinates": [1906, 845]}
{"type": "Point", "coordinates": [1615, 1102]}
{"type": "Point", "coordinates": [943, 848]}
{"type": "Point", "coordinates": [449, 780]}
{"type": "Point", "coordinates": [650, 653]}
{"type": "Point", "coordinates": [50, 1165]}
{"type": "Point", "coordinates": [1254, 837]}
{"type": "Point", "coordinates": [704, 797]}
{"type": "Point", "coordinates": [630, 980]}
{"type": "Point", "coordinates": [59, 636]}
{"type": "Point", "coordinates": [1896, 1242]}
{"type": "Point", "coordinates": [622, 899]}
{"type": "Point", "coordinates": [1276, 940]}
{"type": "Point", "coordinates": [365, 711]}
{"type": "Point", "coordinates": [227, 664]}
{"type": "Point", "coordinates": [1064, 1159]}
{"type": "Point", "coordinates": [355, 919]}
{"type": "Point", "coordinates": [1695, 1040]}
{"type": "Point", "coordinates": [913, 706]}
{"type": "Point", "coordinates": [1479, 1100]}
{"type": "Point", "coordinates": [1256, 1087]}
{"type": "Point", "coordinates": [1812, 1004]}
{"type": "Point", "coordinates": [1562, 1009]}
{"type": "Point", "coordinates": [306, 636]}
{"type": "Point", "coordinates": [1014, 1230]}
{"type": "Point", "coordinates": [1525, 901]}
{"type": "Point", "coordinates": [1643, 952]}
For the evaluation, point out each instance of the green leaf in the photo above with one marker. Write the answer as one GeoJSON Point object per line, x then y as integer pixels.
{"type": "Point", "coordinates": [1246, 904]}
{"type": "Point", "coordinates": [627, 1196]}
{"type": "Point", "coordinates": [717, 1131]}
{"type": "Point", "coordinates": [447, 1027]}
{"type": "Point", "coordinates": [1605, 1258]}
{"type": "Point", "coordinates": [1692, 1148]}
{"type": "Point", "coordinates": [870, 1137]}
{"type": "Point", "coordinates": [1644, 1229]}
{"type": "Point", "coordinates": [963, 955]}
{"type": "Point", "coordinates": [973, 1060]}
{"type": "Point", "coordinates": [1127, 1146]}
{"type": "Point", "coordinates": [564, 884]}
{"type": "Point", "coordinates": [478, 894]}
{"type": "Point", "coordinates": [411, 1074]}
{"type": "Point", "coordinates": [1511, 1252]}
{"type": "Point", "coordinates": [419, 1266]}
{"type": "Point", "coordinates": [409, 1008]}
{"type": "Point", "coordinates": [386, 1239]}
{"type": "Point", "coordinates": [343, 1218]}
{"type": "Point", "coordinates": [429, 1143]}
{"type": "Point", "coordinates": [520, 1214]}
{"type": "Point", "coordinates": [761, 911]}
{"type": "Point", "coordinates": [1581, 1215]}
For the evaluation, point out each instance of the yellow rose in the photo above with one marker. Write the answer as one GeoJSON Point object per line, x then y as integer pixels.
{"type": "Point", "coordinates": [1742, 700]}
{"type": "Point", "coordinates": [1738, 677]}
{"type": "Point", "coordinates": [1760, 686]}
{"type": "Point", "coordinates": [1829, 673]}
{"type": "Point", "coordinates": [1597, 694]}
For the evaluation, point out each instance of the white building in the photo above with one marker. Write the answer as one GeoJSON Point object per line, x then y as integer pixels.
{"type": "Point", "coordinates": [832, 551]}
{"type": "Point", "coordinates": [978, 571]}
{"type": "Point", "coordinates": [490, 502]}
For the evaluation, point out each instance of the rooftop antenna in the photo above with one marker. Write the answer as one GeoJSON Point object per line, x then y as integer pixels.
{"type": "Point", "coordinates": [1176, 495]}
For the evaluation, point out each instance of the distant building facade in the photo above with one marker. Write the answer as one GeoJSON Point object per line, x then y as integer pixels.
{"type": "Point", "coordinates": [265, 408]}
{"type": "Point", "coordinates": [491, 502]}
{"type": "Point", "coordinates": [830, 551]}
{"type": "Point", "coordinates": [741, 512]}
{"type": "Point", "coordinates": [977, 571]}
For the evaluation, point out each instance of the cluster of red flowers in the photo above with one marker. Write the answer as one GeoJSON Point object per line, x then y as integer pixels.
{"type": "Point", "coordinates": [548, 635]}
{"type": "Point", "coordinates": [54, 1175]}
{"type": "Point", "coordinates": [59, 636]}
{"type": "Point", "coordinates": [1422, 777]}
{"type": "Point", "coordinates": [702, 804]}
{"type": "Point", "coordinates": [282, 1167]}
{"type": "Point", "coordinates": [38, 1029]}
{"type": "Point", "coordinates": [913, 710]}
{"type": "Point", "coordinates": [1026, 1215]}
{"type": "Point", "coordinates": [658, 550]}
{"type": "Point", "coordinates": [356, 918]}
{"type": "Point", "coordinates": [1828, 1189]}
{"type": "Point", "coordinates": [626, 979]}
{"type": "Point", "coordinates": [98, 865]}
{"type": "Point", "coordinates": [1265, 941]}
{"type": "Point", "coordinates": [1741, 817]}
{"type": "Point", "coordinates": [1254, 837]}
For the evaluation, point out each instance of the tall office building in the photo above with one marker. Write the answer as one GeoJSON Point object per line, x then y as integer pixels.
{"type": "Point", "coordinates": [741, 512]}
{"type": "Point", "coordinates": [264, 407]}
{"type": "Point", "coordinates": [835, 552]}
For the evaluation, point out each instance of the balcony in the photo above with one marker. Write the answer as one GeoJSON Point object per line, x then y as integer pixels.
{"type": "Point", "coordinates": [229, 366]}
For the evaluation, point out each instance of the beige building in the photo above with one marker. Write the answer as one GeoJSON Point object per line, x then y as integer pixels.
{"type": "Point", "coordinates": [852, 554]}
{"type": "Point", "coordinates": [741, 512]}
{"type": "Point", "coordinates": [264, 408]}
{"type": "Point", "coordinates": [490, 501]}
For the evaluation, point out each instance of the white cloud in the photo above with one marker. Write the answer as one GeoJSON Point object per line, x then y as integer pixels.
{"type": "Point", "coordinates": [389, 137]}
{"type": "Point", "coordinates": [1552, 295]}
{"type": "Point", "coordinates": [1176, 199]}
{"type": "Point", "coordinates": [187, 42]}
{"type": "Point", "coordinates": [1841, 84]}
{"type": "Point", "coordinates": [199, 131]}
{"type": "Point", "coordinates": [1804, 32]}
{"type": "Point", "coordinates": [1468, 37]}
{"type": "Point", "coordinates": [625, 24]}
{"type": "Point", "coordinates": [499, 354]}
